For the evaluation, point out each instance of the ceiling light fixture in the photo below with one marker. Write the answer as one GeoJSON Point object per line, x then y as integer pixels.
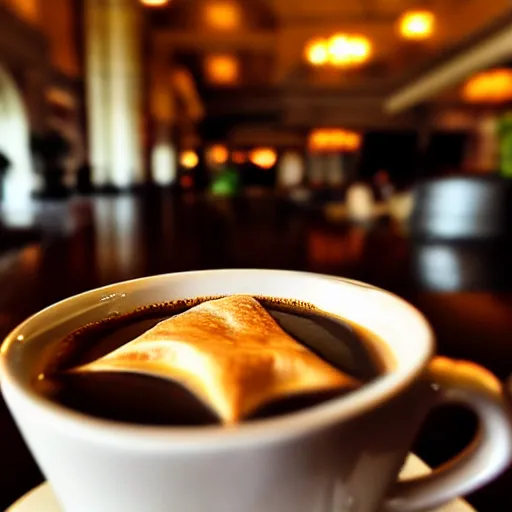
{"type": "Point", "coordinates": [265, 158]}
{"type": "Point", "coordinates": [345, 50]}
{"type": "Point", "coordinates": [493, 86]}
{"type": "Point", "coordinates": [325, 140]}
{"type": "Point", "coordinates": [417, 24]}
{"type": "Point", "coordinates": [317, 52]}
{"type": "Point", "coordinates": [155, 3]}
{"type": "Point", "coordinates": [222, 15]}
{"type": "Point", "coordinates": [221, 69]}
{"type": "Point", "coordinates": [340, 50]}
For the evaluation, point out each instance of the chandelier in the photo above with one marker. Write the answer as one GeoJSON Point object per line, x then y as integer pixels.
{"type": "Point", "coordinates": [340, 50]}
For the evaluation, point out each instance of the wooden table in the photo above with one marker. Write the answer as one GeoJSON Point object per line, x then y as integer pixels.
{"type": "Point", "coordinates": [464, 290]}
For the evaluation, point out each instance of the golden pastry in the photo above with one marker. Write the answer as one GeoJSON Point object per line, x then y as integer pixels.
{"type": "Point", "coordinates": [230, 353]}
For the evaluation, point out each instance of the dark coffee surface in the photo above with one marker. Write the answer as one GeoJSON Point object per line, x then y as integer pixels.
{"type": "Point", "coordinates": [147, 400]}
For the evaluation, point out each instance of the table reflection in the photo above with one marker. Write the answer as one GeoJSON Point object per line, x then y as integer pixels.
{"type": "Point", "coordinates": [461, 266]}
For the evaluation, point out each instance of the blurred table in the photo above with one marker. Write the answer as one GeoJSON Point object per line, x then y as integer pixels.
{"type": "Point", "coordinates": [464, 290]}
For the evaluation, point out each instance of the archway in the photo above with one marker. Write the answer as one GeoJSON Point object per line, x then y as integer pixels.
{"type": "Point", "coordinates": [15, 146]}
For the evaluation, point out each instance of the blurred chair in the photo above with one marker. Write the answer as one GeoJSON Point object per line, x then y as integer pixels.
{"type": "Point", "coordinates": [462, 208]}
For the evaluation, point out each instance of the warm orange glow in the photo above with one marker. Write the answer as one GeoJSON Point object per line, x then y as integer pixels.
{"type": "Point", "coordinates": [417, 24]}
{"type": "Point", "coordinates": [361, 49]}
{"type": "Point", "coordinates": [263, 157]}
{"type": "Point", "coordinates": [339, 50]}
{"type": "Point", "coordinates": [189, 159]}
{"type": "Point", "coordinates": [494, 86]}
{"type": "Point", "coordinates": [155, 3]}
{"type": "Point", "coordinates": [316, 52]}
{"type": "Point", "coordinates": [239, 157]}
{"type": "Point", "coordinates": [222, 15]}
{"type": "Point", "coordinates": [218, 154]}
{"type": "Point", "coordinates": [29, 10]}
{"type": "Point", "coordinates": [333, 139]}
{"type": "Point", "coordinates": [221, 69]}
{"type": "Point", "coordinates": [345, 50]}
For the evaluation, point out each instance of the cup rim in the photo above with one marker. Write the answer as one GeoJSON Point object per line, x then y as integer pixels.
{"type": "Point", "coordinates": [217, 437]}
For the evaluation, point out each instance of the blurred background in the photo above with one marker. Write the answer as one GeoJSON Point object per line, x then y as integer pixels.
{"type": "Point", "coordinates": [370, 139]}
{"type": "Point", "coordinates": [111, 95]}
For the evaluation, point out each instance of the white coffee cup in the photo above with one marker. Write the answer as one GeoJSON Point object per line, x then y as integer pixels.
{"type": "Point", "coordinates": [343, 455]}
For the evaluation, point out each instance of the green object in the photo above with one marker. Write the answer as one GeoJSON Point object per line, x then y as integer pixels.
{"type": "Point", "coordinates": [505, 137]}
{"type": "Point", "coordinates": [226, 183]}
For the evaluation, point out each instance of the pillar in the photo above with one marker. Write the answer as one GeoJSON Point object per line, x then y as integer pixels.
{"type": "Point", "coordinates": [114, 95]}
{"type": "Point", "coordinates": [97, 76]}
{"type": "Point", "coordinates": [18, 183]}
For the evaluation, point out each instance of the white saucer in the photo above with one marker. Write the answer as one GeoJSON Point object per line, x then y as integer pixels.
{"type": "Point", "coordinates": [42, 499]}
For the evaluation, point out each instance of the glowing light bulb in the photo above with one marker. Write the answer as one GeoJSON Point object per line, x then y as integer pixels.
{"type": "Point", "coordinates": [493, 86]}
{"type": "Point", "coordinates": [345, 50]}
{"type": "Point", "coordinates": [155, 3]}
{"type": "Point", "coordinates": [417, 24]}
{"type": "Point", "coordinates": [218, 154]}
{"type": "Point", "coordinates": [317, 52]}
{"type": "Point", "coordinates": [333, 140]}
{"type": "Point", "coordinates": [360, 49]}
{"type": "Point", "coordinates": [189, 159]}
{"type": "Point", "coordinates": [222, 69]}
{"type": "Point", "coordinates": [339, 49]}
{"type": "Point", "coordinates": [263, 157]}
{"type": "Point", "coordinates": [222, 15]}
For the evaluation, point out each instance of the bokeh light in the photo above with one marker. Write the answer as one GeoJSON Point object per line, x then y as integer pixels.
{"type": "Point", "coordinates": [316, 52]}
{"type": "Point", "coordinates": [417, 24]}
{"type": "Point", "coordinates": [493, 86]}
{"type": "Point", "coordinates": [155, 3]}
{"type": "Point", "coordinates": [265, 158]}
{"type": "Point", "coordinates": [222, 15]}
{"type": "Point", "coordinates": [218, 154]}
{"type": "Point", "coordinates": [333, 140]}
{"type": "Point", "coordinates": [221, 69]}
{"type": "Point", "coordinates": [189, 159]}
{"type": "Point", "coordinates": [339, 50]}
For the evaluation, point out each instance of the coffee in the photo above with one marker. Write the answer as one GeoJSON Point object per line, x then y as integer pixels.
{"type": "Point", "coordinates": [133, 398]}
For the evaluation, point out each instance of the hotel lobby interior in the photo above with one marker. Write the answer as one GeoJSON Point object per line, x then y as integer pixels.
{"type": "Point", "coordinates": [368, 139]}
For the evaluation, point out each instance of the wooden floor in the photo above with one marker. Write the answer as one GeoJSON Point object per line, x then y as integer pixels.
{"type": "Point", "coordinates": [464, 290]}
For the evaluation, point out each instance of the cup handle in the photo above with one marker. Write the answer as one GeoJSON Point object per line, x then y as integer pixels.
{"type": "Point", "coordinates": [467, 384]}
